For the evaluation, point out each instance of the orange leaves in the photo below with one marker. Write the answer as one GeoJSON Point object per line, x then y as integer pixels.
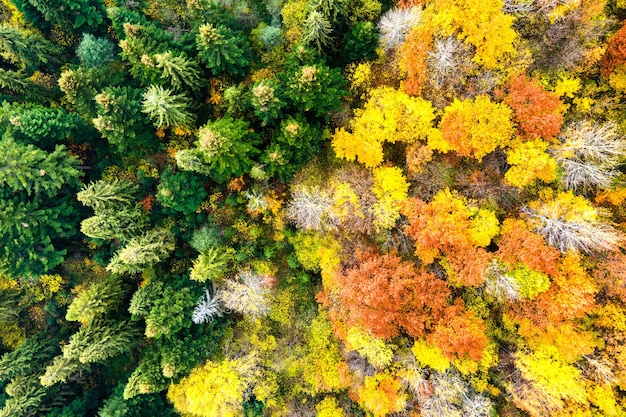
{"type": "Point", "coordinates": [476, 127]}
{"type": "Point", "coordinates": [414, 51]}
{"type": "Point", "coordinates": [447, 225]}
{"type": "Point", "coordinates": [536, 112]}
{"type": "Point", "coordinates": [460, 334]}
{"type": "Point", "coordinates": [615, 53]}
{"type": "Point", "coordinates": [385, 295]}
{"type": "Point", "coordinates": [519, 245]}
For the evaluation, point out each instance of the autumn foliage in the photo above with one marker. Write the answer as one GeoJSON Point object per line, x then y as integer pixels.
{"type": "Point", "coordinates": [414, 52]}
{"type": "Point", "coordinates": [387, 296]}
{"type": "Point", "coordinates": [536, 112]}
{"type": "Point", "coordinates": [449, 227]}
{"type": "Point", "coordinates": [475, 127]}
{"type": "Point", "coordinates": [615, 52]}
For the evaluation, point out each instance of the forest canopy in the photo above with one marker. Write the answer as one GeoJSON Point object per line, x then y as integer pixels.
{"type": "Point", "coordinates": [297, 208]}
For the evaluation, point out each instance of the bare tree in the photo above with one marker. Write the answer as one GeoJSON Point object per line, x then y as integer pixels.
{"type": "Point", "coordinates": [589, 153]}
{"type": "Point", "coordinates": [395, 25]}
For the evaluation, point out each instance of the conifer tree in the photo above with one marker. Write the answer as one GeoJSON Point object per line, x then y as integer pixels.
{"type": "Point", "coordinates": [142, 251]}
{"type": "Point", "coordinates": [178, 70]}
{"type": "Point", "coordinates": [121, 224]}
{"type": "Point", "coordinates": [121, 122]}
{"type": "Point", "coordinates": [165, 108]}
{"type": "Point", "coordinates": [100, 298]}
{"type": "Point", "coordinates": [103, 195]}
{"type": "Point", "coordinates": [25, 168]}
{"type": "Point", "coordinates": [220, 49]}
{"type": "Point", "coordinates": [25, 50]}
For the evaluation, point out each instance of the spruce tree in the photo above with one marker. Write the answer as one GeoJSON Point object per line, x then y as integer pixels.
{"type": "Point", "coordinates": [142, 251]}
{"type": "Point", "coordinates": [106, 195]}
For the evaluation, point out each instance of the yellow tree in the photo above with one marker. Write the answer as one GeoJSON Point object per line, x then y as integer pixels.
{"type": "Point", "coordinates": [475, 127]}
{"type": "Point", "coordinates": [215, 389]}
{"type": "Point", "coordinates": [388, 116]}
{"type": "Point", "coordinates": [482, 24]}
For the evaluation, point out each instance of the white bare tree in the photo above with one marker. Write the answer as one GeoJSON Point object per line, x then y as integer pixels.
{"type": "Point", "coordinates": [395, 25]}
{"type": "Point", "coordinates": [582, 233]}
{"type": "Point", "coordinates": [246, 294]}
{"type": "Point", "coordinates": [208, 308]}
{"type": "Point", "coordinates": [589, 153]}
{"type": "Point", "coordinates": [311, 209]}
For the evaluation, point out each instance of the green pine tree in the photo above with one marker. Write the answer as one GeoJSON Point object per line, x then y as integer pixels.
{"type": "Point", "coordinates": [142, 251]}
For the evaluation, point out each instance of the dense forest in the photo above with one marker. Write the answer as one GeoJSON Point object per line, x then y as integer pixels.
{"type": "Point", "coordinates": [220, 208]}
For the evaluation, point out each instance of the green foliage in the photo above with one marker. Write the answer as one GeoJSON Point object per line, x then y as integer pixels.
{"type": "Point", "coordinates": [315, 88]}
{"type": "Point", "coordinates": [221, 49]}
{"type": "Point", "coordinates": [95, 52]}
{"type": "Point", "coordinates": [100, 340]}
{"type": "Point", "coordinates": [29, 357]}
{"type": "Point", "coordinates": [170, 312]}
{"type": "Point", "coordinates": [121, 224]}
{"type": "Point", "coordinates": [26, 233]}
{"type": "Point", "coordinates": [42, 126]}
{"type": "Point", "coordinates": [293, 145]}
{"type": "Point", "coordinates": [205, 237]}
{"type": "Point", "coordinates": [139, 406]}
{"type": "Point", "coordinates": [34, 209]}
{"type": "Point", "coordinates": [212, 263]}
{"type": "Point", "coordinates": [94, 302]}
{"type": "Point", "coordinates": [27, 169]}
{"type": "Point", "coordinates": [266, 101]}
{"type": "Point", "coordinates": [23, 49]}
{"type": "Point", "coordinates": [144, 298]}
{"type": "Point", "coordinates": [224, 150]}
{"type": "Point", "coordinates": [16, 81]}
{"type": "Point", "coordinates": [120, 120]}
{"type": "Point", "coordinates": [181, 191]}
{"type": "Point", "coordinates": [142, 251]}
{"type": "Point", "coordinates": [165, 108]}
{"type": "Point", "coordinates": [360, 42]}
{"type": "Point", "coordinates": [179, 71]}
{"type": "Point", "coordinates": [108, 195]}
{"type": "Point", "coordinates": [317, 30]}
{"type": "Point", "coordinates": [75, 15]}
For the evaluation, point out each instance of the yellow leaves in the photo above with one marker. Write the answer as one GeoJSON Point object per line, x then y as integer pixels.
{"type": "Point", "coordinates": [389, 183]}
{"type": "Point", "coordinates": [391, 188]}
{"type": "Point", "coordinates": [475, 127]}
{"type": "Point", "coordinates": [567, 85]}
{"type": "Point", "coordinates": [484, 226]}
{"type": "Point", "coordinates": [617, 78]}
{"type": "Point", "coordinates": [215, 389]}
{"type": "Point", "coordinates": [603, 396]}
{"type": "Point", "coordinates": [429, 355]}
{"type": "Point", "coordinates": [482, 24]}
{"type": "Point", "coordinates": [328, 407]}
{"type": "Point", "coordinates": [381, 395]}
{"type": "Point", "coordinates": [550, 374]}
{"type": "Point", "coordinates": [568, 338]}
{"type": "Point", "coordinates": [377, 352]}
{"type": "Point", "coordinates": [322, 366]}
{"type": "Point", "coordinates": [531, 283]}
{"type": "Point", "coordinates": [388, 116]}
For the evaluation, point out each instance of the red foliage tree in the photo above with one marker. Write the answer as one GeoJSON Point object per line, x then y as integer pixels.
{"type": "Point", "coordinates": [536, 112]}
{"type": "Point", "coordinates": [386, 295]}
{"type": "Point", "coordinates": [519, 245]}
{"type": "Point", "coordinates": [615, 52]}
{"type": "Point", "coordinates": [460, 334]}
